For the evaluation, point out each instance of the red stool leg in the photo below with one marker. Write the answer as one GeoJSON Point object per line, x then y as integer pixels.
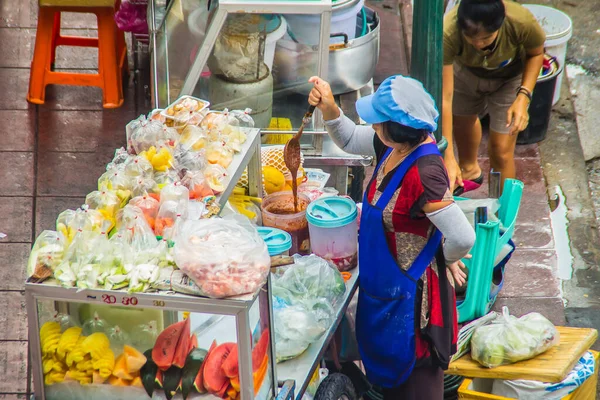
{"type": "Point", "coordinates": [55, 35]}
{"type": "Point", "coordinates": [108, 68]}
{"type": "Point", "coordinates": [41, 56]}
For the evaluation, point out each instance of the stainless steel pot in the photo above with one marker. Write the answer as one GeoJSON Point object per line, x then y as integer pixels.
{"type": "Point", "coordinates": [351, 64]}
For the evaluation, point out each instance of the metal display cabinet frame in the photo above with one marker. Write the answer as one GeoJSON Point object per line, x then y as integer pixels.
{"type": "Point", "coordinates": [168, 302]}
{"type": "Point", "coordinates": [157, 21]}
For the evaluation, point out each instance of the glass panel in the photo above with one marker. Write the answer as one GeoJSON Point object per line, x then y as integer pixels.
{"type": "Point", "coordinates": [101, 352]}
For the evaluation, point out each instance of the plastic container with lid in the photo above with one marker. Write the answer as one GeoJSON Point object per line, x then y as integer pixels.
{"type": "Point", "coordinates": [332, 223]}
{"type": "Point", "coordinates": [278, 242]}
{"type": "Point", "coordinates": [278, 212]}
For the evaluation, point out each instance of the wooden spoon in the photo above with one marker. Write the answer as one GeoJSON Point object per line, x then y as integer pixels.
{"type": "Point", "coordinates": [291, 154]}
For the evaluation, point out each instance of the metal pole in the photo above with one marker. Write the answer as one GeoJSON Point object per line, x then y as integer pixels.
{"type": "Point", "coordinates": [427, 50]}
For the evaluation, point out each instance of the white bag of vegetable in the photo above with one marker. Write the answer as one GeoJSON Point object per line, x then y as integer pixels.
{"type": "Point", "coordinates": [509, 339]}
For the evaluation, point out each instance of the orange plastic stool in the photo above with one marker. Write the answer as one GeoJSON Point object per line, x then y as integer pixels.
{"type": "Point", "coordinates": [112, 55]}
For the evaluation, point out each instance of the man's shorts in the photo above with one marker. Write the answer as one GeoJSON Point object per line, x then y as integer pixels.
{"type": "Point", "coordinates": [479, 96]}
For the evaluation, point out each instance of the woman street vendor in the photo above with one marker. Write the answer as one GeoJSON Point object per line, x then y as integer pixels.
{"type": "Point", "coordinates": [493, 53]}
{"type": "Point", "coordinates": [406, 323]}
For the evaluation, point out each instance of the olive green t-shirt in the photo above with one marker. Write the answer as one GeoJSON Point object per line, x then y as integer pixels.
{"type": "Point", "coordinates": [519, 32]}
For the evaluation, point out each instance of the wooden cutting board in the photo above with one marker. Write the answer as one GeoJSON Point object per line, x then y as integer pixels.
{"type": "Point", "coordinates": [551, 366]}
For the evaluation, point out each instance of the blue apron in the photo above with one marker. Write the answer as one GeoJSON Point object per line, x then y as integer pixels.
{"type": "Point", "coordinates": [385, 317]}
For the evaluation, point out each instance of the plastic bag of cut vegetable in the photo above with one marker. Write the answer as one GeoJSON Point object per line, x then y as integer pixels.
{"type": "Point", "coordinates": [223, 256]}
{"type": "Point", "coordinates": [192, 160]}
{"type": "Point", "coordinates": [83, 260]}
{"type": "Point", "coordinates": [169, 216]}
{"type": "Point", "coordinates": [69, 222]}
{"type": "Point", "coordinates": [509, 339]}
{"type": "Point", "coordinates": [46, 254]}
{"type": "Point", "coordinates": [149, 207]}
{"type": "Point", "coordinates": [196, 184]}
{"type": "Point", "coordinates": [132, 225]}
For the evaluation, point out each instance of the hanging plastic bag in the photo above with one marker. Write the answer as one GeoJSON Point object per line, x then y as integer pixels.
{"type": "Point", "coordinates": [196, 184]}
{"type": "Point", "coordinates": [145, 336]}
{"type": "Point", "coordinates": [217, 177]}
{"type": "Point", "coordinates": [224, 257]}
{"type": "Point", "coordinates": [534, 390]}
{"type": "Point", "coordinates": [94, 325]}
{"type": "Point", "coordinates": [117, 338]}
{"type": "Point", "coordinates": [47, 253]}
{"type": "Point", "coordinates": [149, 207]}
{"type": "Point", "coordinates": [509, 339]}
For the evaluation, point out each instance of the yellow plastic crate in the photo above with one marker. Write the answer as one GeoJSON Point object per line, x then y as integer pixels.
{"type": "Point", "coordinates": [480, 389]}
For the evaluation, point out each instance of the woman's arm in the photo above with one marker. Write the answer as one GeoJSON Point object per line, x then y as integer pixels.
{"type": "Point", "coordinates": [454, 172]}
{"type": "Point", "coordinates": [518, 117]}
{"type": "Point", "coordinates": [352, 138]}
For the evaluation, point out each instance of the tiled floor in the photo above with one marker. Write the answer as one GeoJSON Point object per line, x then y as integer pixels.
{"type": "Point", "coordinates": [52, 155]}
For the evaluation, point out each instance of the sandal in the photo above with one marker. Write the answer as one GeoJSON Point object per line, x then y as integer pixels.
{"type": "Point", "coordinates": [469, 185]}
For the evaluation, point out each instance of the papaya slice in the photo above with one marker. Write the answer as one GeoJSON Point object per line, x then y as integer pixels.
{"type": "Point", "coordinates": [199, 380]}
{"type": "Point", "coordinates": [215, 380]}
{"type": "Point", "coordinates": [258, 376]}
{"type": "Point", "coordinates": [171, 380]}
{"type": "Point", "coordinates": [259, 351]}
{"type": "Point", "coordinates": [96, 378]}
{"type": "Point", "coordinates": [190, 370]}
{"type": "Point", "coordinates": [235, 383]}
{"type": "Point", "coordinates": [183, 345]}
{"type": "Point", "coordinates": [116, 381]}
{"type": "Point", "coordinates": [148, 373]}
{"type": "Point", "coordinates": [166, 345]}
{"type": "Point", "coordinates": [231, 392]}
{"type": "Point", "coordinates": [120, 369]}
{"type": "Point", "coordinates": [134, 360]}
{"type": "Point", "coordinates": [137, 381]}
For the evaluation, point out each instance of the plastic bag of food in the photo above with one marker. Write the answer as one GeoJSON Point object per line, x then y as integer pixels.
{"type": "Point", "coordinates": [132, 225]}
{"type": "Point", "coordinates": [145, 336]}
{"type": "Point", "coordinates": [94, 325]}
{"type": "Point", "coordinates": [46, 254]}
{"type": "Point", "coordinates": [163, 179]}
{"type": "Point", "coordinates": [217, 177]}
{"type": "Point", "coordinates": [216, 122]}
{"type": "Point", "coordinates": [103, 201]}
{"type": "Point", "coordinates": [69, 222]}
{"type": "Point", "coordinates": [131, 17]}
{"type": "Point", "coordinates": [84, 260]}
{"type": "Point", "coordinates": [295, 329]}
{"type": "Point", "coordinates": [175, 192]}
{"type": "Point", "coordinates": [145, 134]}
{"type": "Point", "coordinates": [192, 138]}
{"type": "Point", "coordinates": [169, 216]}
{"type": "Point", "coordinates": [196, 184]}
{"type": "Point", "coordinates": [509, 339]}
{"type": "Point", "coordinates": [114, 179]}
{"type": "Point", "coordinates": [119, 159]}
{"type": "Point", "coordinates": [192, 160]}
{"type": "Point", "coordinates": [224, 257]}
{"type": "Point", "coordinates": [138, 166]}
{"type": "Point", "coordinates": [219, 153]}
{"type": "Point", "coordinates": [160, 157]}
{"type": "Point", "coordinates": [149, 207]}
{"type": "Point", "coordinates": [244, 118]}
{"type": "Point", "coordinates": [143, 186]}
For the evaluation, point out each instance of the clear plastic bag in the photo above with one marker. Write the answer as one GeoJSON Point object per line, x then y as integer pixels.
{"type": "Point", "coordinates": [84, 260]}
{"type": "Point", "coordinates": [219, 153]}
{"type": "Point", "coordinates": [244, 118]}
{"type": "Point", "coordinates": [509, 339]}
{"type": "Point", "coordinates": [132, 225]}
{"type": "Point", "coordinates": [223, 256]}
{"type": "Point", "coordinates": [114, 179]}
{"type": "Point", "coordinates": [175, 192]}
{"type": "Point", "coordinates": [196, 184]}
{"type": "Point", "coordinates": [169, 216]}
{"type": "Point", "coordinates": [119, 159]}
{"type": "Point", "coordinates": [192, 138]}
{"type": "Point", "coordinates": [143, 186]}
{"type": "Point", "coordinates": [149, 207]}
{"type": "Point", "coordinates": [145, 134]}
{"type": "Point", "coordinates": [105, 201]}
{"type": "Point", "coordinates": [138, 166]}
{"type": "Point", "coordinates": [217, 178]}
{"type": "Point", "coordinates": [168, 177]}
{"type": "Point", "coordinates": [145, 336]}
{"type": "Point", "coordinates": [47, 253]}
{"type": "Point", "coordinates": [192, 160]}
{"type": "Point", "coordinates": [117, 338]}
{"type": "Point", "coordinates": [159, 156]}
{"type": "Point", "coordinates": [69, 222]}
{"type": "Point", "coordinates": [94, 324]}
{"type": "Point", "coordinates": [131, 17]}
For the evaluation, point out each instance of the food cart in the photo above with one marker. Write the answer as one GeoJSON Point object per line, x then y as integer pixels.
{"type": "Point", "coordinates": [284, 44]}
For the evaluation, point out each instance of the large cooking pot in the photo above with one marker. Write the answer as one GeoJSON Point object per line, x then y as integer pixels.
{"type": "Point", "coordinates": [351, 63]}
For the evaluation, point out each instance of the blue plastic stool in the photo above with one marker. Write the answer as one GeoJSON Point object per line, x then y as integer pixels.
{"type": "Point", "coordinates": [489, 242]}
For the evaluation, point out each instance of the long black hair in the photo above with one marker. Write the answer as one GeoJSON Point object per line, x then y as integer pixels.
{"type": "Point", "coordinates": [403, 134]}
{"type": "Point", "coordinates": [477, 15]}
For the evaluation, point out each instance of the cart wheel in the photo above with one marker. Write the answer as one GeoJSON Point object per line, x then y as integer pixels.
{"type": "Point", "coordinates": [336, 387]}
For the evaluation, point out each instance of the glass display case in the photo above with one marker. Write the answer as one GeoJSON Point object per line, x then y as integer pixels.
{"type": "Point", "coordinates": [100, 344]}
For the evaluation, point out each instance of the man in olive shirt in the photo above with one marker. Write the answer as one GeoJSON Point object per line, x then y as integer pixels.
{"type": "Point", "coordinates": [493, 53]}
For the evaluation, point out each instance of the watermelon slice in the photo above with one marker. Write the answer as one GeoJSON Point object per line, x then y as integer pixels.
{"type": "Point", "coordinates": [183, 346]}
{"type": "Point", "coordinates": [193, 343]}
{"type": "Point", "coordinates": [199, 381]}
{"type": "Point", "coordinates": [158, 379]}
{"type": "Point", "coordinates": [223, 392]}
{"type": "Point", "coordinates": [148, 373]}
{"type": "Point", "coordinates": [230, 365]}
{"type": "Point", "coordinates": [192, 366]}
{"type": "Point", "coordinates": [215, 380]}
{"type": "Point", "coordinates": [172, 378]}
{"type": "Point", "coordinates": [166, 345]}
{"type": "Point", "coordinates": [259, 352]}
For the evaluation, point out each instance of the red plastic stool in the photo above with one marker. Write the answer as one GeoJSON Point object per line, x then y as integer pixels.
{"type": "Point", "coordinates": [112, 52]}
